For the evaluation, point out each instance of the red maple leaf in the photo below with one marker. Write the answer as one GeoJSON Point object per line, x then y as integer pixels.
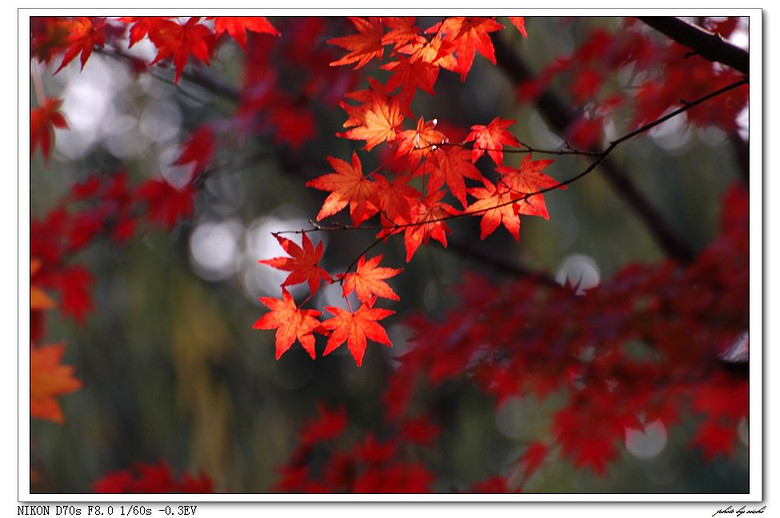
{"type": "Point", "coordinates": [519, 22]}
{"type": "Point", "coordinates": [428, 221]}
{"type": "Point", "coordinates": [327, 426]}
{"type": "Point", "coordinates": [451, 165]}
{"type": "Point", "coordinates": [411, 73]}
{"type": "Point", "coordinates": [368, 280]}
{"type": "Point", "coordinates": [395, 198]}
{"type": "Point", "coordinates": [198, 150]}
{"type": "Point", "coordinates": [142, 26]}
{"type": "Point", "coordinates": [355, 328]}
{"type": "Point", "coordinates": [43, 120]}
{"type": "Point", "coordinates": [715, 438]}
{"type": "Point", "coordinates": [363, 46]}
{"type": "Point", "coordinates": [347, 186]}
{"type": "Point", "coordinates": [529, 179]}
{"type": "Point", "coordinates": [151, 478]}
{"type": "Point", "coordinates": [290, 322]}
{"type": "Point", "coordinates": [295, 124]}
{"type": "Point", "coordinates": [491, 138]}
{"type": "Point", "coordinates": [303, 263]}
{"type": "Point", "coordinates": [179, 41]}
{"type": "Point", "coordinates": [165, 203]}
{"type": "Point", "coordinates": [84, 34]}
{"type": "Point", "coordinates": [375, 122]}
{"type": "Point", "coordinates": [403, 30]}
{"type": "Point", "coordinates": [420, 142]}
{"type": "Point", "coordinates": [73, 283]}
{"type": "Point", "coordinates": [48, 379]}
{"type": "Point", "coordinates": [494, 202]}
{"type": "Point", "coordinates": [420, 430]}
{"type": "Point", "coordinates": [468, 35]}
{"type": "Point", "coordinates": [237, 26]}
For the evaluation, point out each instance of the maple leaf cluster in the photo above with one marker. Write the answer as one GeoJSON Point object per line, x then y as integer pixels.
{"type": "Point", "coordinates": [151, 479]}
{"type": "Point", "coordinates": [425, 155]}
{"type": "Point", "coordinates": [498, 340]}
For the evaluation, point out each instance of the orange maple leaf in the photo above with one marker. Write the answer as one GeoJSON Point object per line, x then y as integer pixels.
{"type": "Point", "coordinates": [411, 73]}
{"type": "Point", "coordinates": [436, 51]}
{"type": "Point", "coordinates": [303, 263]}
{"type": "Point", "coordinates": [290, 322]}
{"type": "Point", "coordinates": [367, 281]}
{"type": "Point", "coordinates": [468, 35]}
{"type": "Point", "coordinates": [48, 379]}
{"type": "Point", "coordinates": [528, 179]}
{"type": "Point", "coordinates": [419, 142]}
{"type": "Point", "coordinates": [428, 221]}
{"type": "Point", "coordinates": [237, 26]}
{"type": "Point", "coordinates": [491, 138]}
{"type": "Point", "coordinates": [395, 198]}
{"type": "Point", "coordinates": [451, 165]}
{"type": "Point", "coordinates": [355, 328]}
{"type": "Point", "coordinates": [43, 120]}
{"type": "Point", "coordinates": [519, 22]}
{"type": "Point", "coordinates": [39, 299]}
{"type": "Point", "coordinates": [495, 204]}
{"type": "Point", "coordinates": [403, 30]}
{"type": "Point", "coordinates": [363, 46]}
{"type": "Point", "coordinates": [181, 41]}
{"type": "Point", "coordinates": [347, 186]}
{"type": "Point", "coordinates": [375, 122]}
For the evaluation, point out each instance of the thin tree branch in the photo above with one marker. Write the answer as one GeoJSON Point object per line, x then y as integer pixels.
{"type": "Point", "coordinates": [708, 45]}
{"type": "Point", "coordinates": [559, 116]}
{"type": "Point", "coordinates": [499, 264]}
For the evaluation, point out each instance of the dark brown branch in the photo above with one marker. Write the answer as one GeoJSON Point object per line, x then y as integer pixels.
{"type": "Point", "coordinates": [499, 264]}
{"type": "Point", "coordinates": [559, 116]}
{"type": "Point", "coordinates": [705, 43]}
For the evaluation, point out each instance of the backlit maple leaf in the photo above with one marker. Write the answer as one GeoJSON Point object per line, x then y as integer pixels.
{"type": "Point", "coordinates": [303, 263]}
{"type": "Point", "coordinates": [491, 138]}
{"type": "Point", "coordinates": [367, 281]}
{"type": "Point", "coordinates": [48, 379]}
{"type": "Point", "coordinates": [528, 179]}
{"type": "Point", "coordinates": [468, 35]}
{"type": "Point", "coordinates": [237, 26]}
{"type": "Point", "coordinates": [419, 142]}
{"type": "Point", "coordinates": [494, 202]}
{"type": "Point", "coordinates": [395, 198]}
{"type": "Point", "coordinates": [347, 186]}
{"type": "Point", "coordinates": [412, 73]}
{"type": "Point", "coordinates": [375, 123]}
{"type": "Point", "coordinates": [290, 322]}
{"type": "Point", "coordinates": [363, 46]}
{"type": "Point", "coordinates": [451, 165]}
{"type": "Point", "coordinates": [403, 30]}
{"type": "Point", "coordinates": [428, 221]}
{"type": "Point", "coordinates": [355, 328]}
